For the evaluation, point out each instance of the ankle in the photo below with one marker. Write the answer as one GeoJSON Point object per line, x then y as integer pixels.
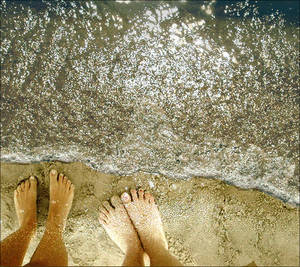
{"type": "Point", "coordinates": [155, 248]}
{"type": "Point", "coordinates": [55, 222]}
{"type": "Point", "coordinates": [29, 226]}
{"type": "Point", "coordinates": [135, 250]}
{"type": "Point", "coordinates": [135, 255]}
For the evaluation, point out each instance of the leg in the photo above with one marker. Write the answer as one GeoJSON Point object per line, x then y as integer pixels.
{"type": "Point", "coordinates": [146, 219]}
{"type": "Point", "coordinates": [134, 258]}
{"type": "Point", "coordinates": [51, 251]}
{"type": "Point", "coordinates": [14, 247]}
{"type": "Point", "coordinates": [118, 226]}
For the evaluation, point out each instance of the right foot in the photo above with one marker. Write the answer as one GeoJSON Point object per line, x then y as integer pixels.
{"type": "Point", "coordinates": [61, 197]}
{"type": "Point", "coordinates": [146, 219]}
{"type": "Point", "coordinates": [25, 203]}
{"type": "Point", "coordinates": [118, 226]}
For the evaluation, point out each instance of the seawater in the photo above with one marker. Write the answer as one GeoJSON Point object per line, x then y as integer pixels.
{"type": "Point", "coordinates": [180, 88]}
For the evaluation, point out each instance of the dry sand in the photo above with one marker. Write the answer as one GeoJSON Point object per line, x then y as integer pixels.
{"type": "Point", "coordinates": [206, 221]}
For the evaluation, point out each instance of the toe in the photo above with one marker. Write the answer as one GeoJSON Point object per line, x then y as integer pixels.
{"type": "Point", "coordinates": [151, 199]}
{"type": "Point", "coordinates": [33, 182]}
{"type": "Point", "coordinates": [125, 197]}
{"type": "Point", "coordinates": [65, 180]}
{"type": "Point", "coordinates": [108, 207]}
{"type": "Point", "coordinates": [103, 210]}
{"type": "Point", "coordinates": [22, 186]}
{"type": "Point", "coordinates": [103, 217]}
{"type": "Point", "coordinates": [69, 184]}
{"type": "Point", "coordinates": [147, 195]}
{"type": "Point", "coordinates": [103, 222]}
{"type": "Point", "coordinates": [19, 189]}
{"type": "Point", "coordinates": [53, 176]}
{"type": "Point", "coordinates": [141, 194]}
{"type": "Point", "coordinates": [133, 194]}
{"type": "Point", "coordinates": [116, 201]}
{"type": "Point", "coordinates": [26, 185]}
{"type": "Point", "coordinates": [61, 178]}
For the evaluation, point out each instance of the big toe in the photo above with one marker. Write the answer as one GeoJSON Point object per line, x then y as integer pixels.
{"type": "Point", "coordinates": [53, 176]}
{"type": "Point", "coordinates": [125, 197]}
{"type": "Point", "coordinates": [33, 183]}
{"type": "Point", "coordinates": [116, 201]}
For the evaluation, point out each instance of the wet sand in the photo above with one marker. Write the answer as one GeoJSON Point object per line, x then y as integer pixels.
{"type": "Point", "coordinates": [207, 222]}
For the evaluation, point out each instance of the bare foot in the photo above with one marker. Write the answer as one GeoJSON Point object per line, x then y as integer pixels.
{"type": "Point", "coordinates": [146, 218]}
{"type": "Point", "coordinates": [118, 226]}
{"type": "Point", "coordinates": [61, 197]}
{"type": "Point", "coordinates": [25, 203]}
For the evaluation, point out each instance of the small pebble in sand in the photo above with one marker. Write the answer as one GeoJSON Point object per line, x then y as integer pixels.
{"type": "Point", "coordinates": [151, 184]}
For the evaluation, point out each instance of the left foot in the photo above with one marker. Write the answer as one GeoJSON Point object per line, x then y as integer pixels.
{"type": "Point", "coordinates": [118, 226]}
{"type": "Point", "coordinates": [25, 203]}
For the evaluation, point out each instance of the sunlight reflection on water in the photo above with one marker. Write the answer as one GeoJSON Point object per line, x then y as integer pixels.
{"type": "Point", "coordinates": [178, 88]}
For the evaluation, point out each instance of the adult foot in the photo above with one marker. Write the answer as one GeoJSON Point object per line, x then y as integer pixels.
{"type": "Point", "coordinates": [25, 203]}
{"type": "Point", "coordinates": [61, 197]}
{"type": "Point", "coordinates": [146, 218]}
{"type": "Point", "coordinates": [118, 226]}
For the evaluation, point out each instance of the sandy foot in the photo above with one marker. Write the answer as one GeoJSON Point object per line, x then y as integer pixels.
{"type": "Point", "coordinates": [146, 218]}
{"type": "Point", "coordinates": [61, 197]}
{"type": "Point", "coordinates": [118, 225]}
{"type": "Point", "coordinates": [25, 202]}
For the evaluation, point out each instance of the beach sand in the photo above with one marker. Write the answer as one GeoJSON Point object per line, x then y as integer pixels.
{"type": "Point", "coordinates": [207, 222]}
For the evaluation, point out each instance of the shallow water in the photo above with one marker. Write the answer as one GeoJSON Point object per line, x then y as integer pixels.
{"type": "Point", "coordinates": [178, 88]}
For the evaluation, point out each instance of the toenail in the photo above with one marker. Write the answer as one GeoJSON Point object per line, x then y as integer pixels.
{"type": "Point", "coordinates": [53, 171]}
{"type": "Point", "coordinates": [32, 177]}
{"type": "Point", "coordinates": [125, 196]}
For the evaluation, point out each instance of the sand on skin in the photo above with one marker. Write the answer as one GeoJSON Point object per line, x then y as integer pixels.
{"type": "Point", "coordinates": [206, 221]}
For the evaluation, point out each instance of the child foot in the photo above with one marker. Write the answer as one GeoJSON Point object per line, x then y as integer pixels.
{"type": "Point", "coordinates": [25, 203]}
{"type": "Point", "coordinates": [146, 218]}
{"type": "Point", "coordinates": [118, 226]}
{"type": "Point", "coordinates": [61, 197]}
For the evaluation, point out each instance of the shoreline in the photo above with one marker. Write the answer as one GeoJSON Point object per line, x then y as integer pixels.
{"type": "Point", "coordinates": [280, 196]}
